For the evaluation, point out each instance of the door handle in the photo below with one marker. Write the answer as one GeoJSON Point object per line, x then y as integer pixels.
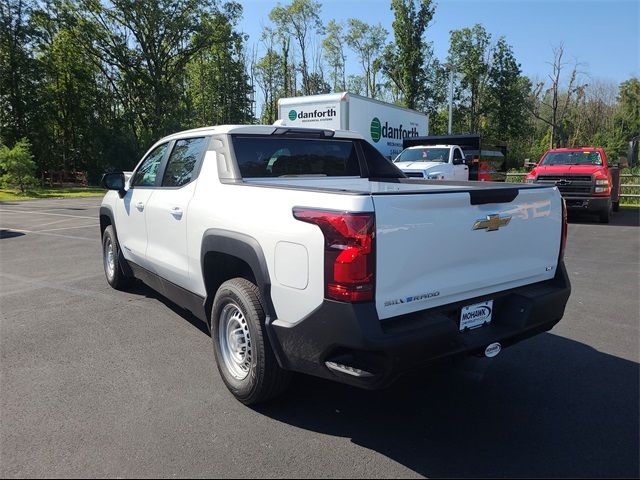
{"type": "Point", "coordinates": [176, 212]}
{"type": "Point", "coordinates": [140, 206]}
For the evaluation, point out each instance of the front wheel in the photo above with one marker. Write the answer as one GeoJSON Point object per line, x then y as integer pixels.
{"type": "Point", "coordinates": [605, 215]}
{"type": "Point", "coordinates": [245, 360]}
{"type": "Point", "coordinates": [111, 260]}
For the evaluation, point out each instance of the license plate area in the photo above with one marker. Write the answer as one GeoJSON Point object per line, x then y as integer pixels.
{"type": "Point", "coordinates": [476, 315]}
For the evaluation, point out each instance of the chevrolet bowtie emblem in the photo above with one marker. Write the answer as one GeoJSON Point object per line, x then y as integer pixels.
{"type": "Point", "coordinates": [491, 223]}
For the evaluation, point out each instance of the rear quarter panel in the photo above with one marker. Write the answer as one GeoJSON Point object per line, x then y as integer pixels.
{"type": "Point", "coordinates": [265, 213]}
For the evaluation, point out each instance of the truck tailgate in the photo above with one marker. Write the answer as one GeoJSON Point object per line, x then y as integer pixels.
{"type": "Point", "coordinates": [429, 254]}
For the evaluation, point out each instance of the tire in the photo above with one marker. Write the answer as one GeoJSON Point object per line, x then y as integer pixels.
{"type": "Point", "coordinates": [245, 360]}
{"type": "Point", "coordinates": [616, 206]}
{"type": "Point", "coordinates": [605, 215]}
{"type": "Point", "coordinates": [111, 258]}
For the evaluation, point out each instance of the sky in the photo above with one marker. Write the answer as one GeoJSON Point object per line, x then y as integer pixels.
{"type": "Point", "coordinates": [602, 35]}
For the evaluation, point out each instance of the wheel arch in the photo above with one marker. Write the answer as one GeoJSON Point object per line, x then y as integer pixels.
{"type": "Point", "coordinates": [226, 254]}
{"type": "Point", "coordinates": [107, 218]}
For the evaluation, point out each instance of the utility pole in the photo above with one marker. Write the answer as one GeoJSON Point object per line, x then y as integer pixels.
{"type": "Point", "coordinates": [449, 67]}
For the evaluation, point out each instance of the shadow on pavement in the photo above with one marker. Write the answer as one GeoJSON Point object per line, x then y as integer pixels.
{"type": "Point", "coordinates": [549, 407]}
{"type": "Point", "coordinates": [626, 217]}
{"type": "Point", "coordinates": [139, 288]}
{"type": "Point", "coordinates": [4, 233]}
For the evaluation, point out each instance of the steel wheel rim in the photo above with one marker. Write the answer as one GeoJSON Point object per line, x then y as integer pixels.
{"type": "Point", "coordinates": [109, 259]}
{"type": "Point", "coordinates": [235, 341]}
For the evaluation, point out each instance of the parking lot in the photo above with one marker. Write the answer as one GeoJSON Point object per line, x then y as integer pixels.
{"type": "Point", "coordinates": [96, 382]}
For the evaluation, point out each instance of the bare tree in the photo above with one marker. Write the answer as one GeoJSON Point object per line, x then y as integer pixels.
{"type": "Point", "coordinates": [556, 101]}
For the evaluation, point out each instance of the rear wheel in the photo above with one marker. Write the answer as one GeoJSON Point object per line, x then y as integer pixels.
{"type": "Point", "coordinates": [245, 360]}
{"type": "Point", "coordinates": [111, 258]}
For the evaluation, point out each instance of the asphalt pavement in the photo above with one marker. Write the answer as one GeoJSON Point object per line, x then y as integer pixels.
{"type": "Point", "coordinates": [99, 383]}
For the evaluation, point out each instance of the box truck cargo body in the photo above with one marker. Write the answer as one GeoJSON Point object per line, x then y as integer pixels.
{"type": "Point", "coordinates": [384, 125]}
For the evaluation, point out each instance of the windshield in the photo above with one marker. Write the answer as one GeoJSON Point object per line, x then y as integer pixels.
{"type": "Point", "coordinates": [572, 158]}
{"type": "Point", "coordinates": [424, 155]}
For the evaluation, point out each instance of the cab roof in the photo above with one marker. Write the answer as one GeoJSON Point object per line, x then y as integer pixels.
{"type": "Point", "coordinates": [253, 130]}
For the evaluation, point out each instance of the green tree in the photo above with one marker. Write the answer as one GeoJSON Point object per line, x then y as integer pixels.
{"type": "Point", "coordinates": [142, 48]}
{"type": "Point", "coordinates": [469, 54]}
{"type": "Point", "coordinates": [18, 69]}
{"type": "Point", "coordinates": [218, 89]}
{"type": "Point", "coordinates": [70, 93]}
{"type": "Point", "coordinates": [405, 58]}
{"type": "Point", "coordinates": [299, 20]}
{"type": "Point", "coordinates": [507, 95]}
{"type": "Point", "coordinates": [367, 42]}
{"type": "Point", "coordinates": [17, 166]}
{"type": "Point", "coordinates": [268, 75]}
{"type": "Point", "coordinates": [626, 119]}
{"type": "Point", "coordinates": [334, 52]}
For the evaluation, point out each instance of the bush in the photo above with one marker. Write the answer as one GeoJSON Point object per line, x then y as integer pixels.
{"type": "Point", "coordinates": [17, 166]}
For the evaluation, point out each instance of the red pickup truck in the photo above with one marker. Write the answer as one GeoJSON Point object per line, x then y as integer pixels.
{"type": "Point", "coordinates": [584, 178]}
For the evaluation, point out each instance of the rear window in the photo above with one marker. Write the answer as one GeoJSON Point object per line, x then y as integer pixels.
{"type": "Point", "coordinates": [287, 157]}
{"type": "Point", "coordinates": [572, 158]}
{"type": "Point", "coordinates": [260, 157]}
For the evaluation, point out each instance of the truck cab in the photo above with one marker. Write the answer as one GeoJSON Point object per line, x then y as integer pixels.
{"type": "Point", "coordinates": [583, 176]}
{"type": "Point", "coordinates": [433, 162]}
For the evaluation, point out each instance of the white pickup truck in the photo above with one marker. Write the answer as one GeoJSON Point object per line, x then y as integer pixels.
{"type": "Point", "coordinates": [433, 162]}
{"type": "Point", "coordinates": [306, 250]}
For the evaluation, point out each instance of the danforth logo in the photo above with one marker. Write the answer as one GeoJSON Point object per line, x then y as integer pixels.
{"type": "Point", "coordinates": [293, 115]}
{"type": "Point", "coordinates": [376, 129]}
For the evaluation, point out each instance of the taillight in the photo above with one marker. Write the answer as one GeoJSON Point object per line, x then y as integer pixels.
{"type": "Point", "coordinates": [563, 239]}
{"type": "Point", "coordinates": [349, 252]}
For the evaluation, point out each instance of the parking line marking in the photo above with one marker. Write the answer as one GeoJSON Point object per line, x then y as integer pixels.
{"type": "Point", "coordinates": [93, 225]}
{"type": "Point", "coordinates": [43, 213]}
{"type": "Point", "coordinates": [55, 222]}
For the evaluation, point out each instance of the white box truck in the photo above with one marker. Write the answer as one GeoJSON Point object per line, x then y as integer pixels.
{"type": "Point", "coordinates": [384, 125]}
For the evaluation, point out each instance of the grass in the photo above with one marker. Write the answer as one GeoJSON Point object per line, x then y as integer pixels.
{"type": "Point", "coordinates": [35, 193]}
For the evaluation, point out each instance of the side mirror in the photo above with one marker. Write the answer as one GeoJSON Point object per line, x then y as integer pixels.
{"type": "Point", "coordinates": [114, 181]}
{"type": "Point", "coordinates": [458, 161]}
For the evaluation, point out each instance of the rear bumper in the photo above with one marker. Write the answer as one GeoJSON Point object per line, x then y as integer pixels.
{"type": "Point", "coordinates": [588, 204]}
{"type": "Point", "coordinates": [353, 335]}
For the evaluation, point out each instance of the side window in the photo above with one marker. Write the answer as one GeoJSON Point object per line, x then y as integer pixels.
{"type": "Point", "coordinates": [182, 161]}
{"type": "Point", "coordinates": [457, 157]}
{"type": "Point", "coordinates": [146, 174]}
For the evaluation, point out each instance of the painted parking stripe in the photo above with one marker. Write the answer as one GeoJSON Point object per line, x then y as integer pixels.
{"type": "Point", "coordinates": [93, 225]}
{"type": "Point", "coordinates": [43, 213]}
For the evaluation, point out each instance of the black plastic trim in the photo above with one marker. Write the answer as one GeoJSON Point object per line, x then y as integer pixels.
{"type": "Point", "coordinates": [483, 197]}
{"type": "Point", "coordinates": [591, 204]}
{"type": "Point", "coordinates": [247, 249]}
{"type": "Point", "coordinates": [178, 295]}
{"type": "Point", "coordinates": [105, 210]}
{"type": "Point", "coordinates": [352, 334]}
